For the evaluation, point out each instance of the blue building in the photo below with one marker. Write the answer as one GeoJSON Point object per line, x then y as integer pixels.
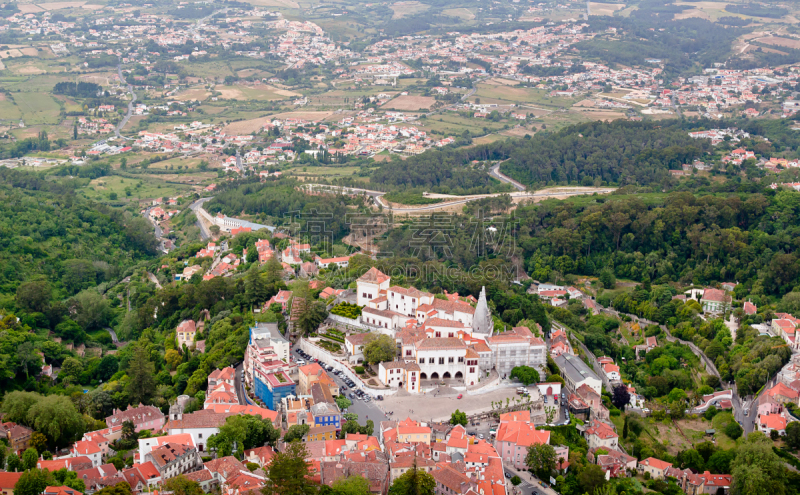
{"type": "Point", "coordinates": [326, 414]}
{"type": "Point", "coordinates": [273, 387]}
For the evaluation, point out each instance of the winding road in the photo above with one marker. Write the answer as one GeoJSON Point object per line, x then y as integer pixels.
{"type": "Point", "coordinates": [130, 105]}
{"type": "Point", "coordinates": [204, 233]}
{"type": "Point", "coordinates": [497, 174]}
{"type": "Point", "coordinates": [377, 195]}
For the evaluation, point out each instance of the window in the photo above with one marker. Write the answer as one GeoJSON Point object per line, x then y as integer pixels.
{"type": "Point", "coordinates": [431, 360]}
{"type": "Point", "coordinates": [199, 435]}
{"type": "Point", "coordinates": [421, 360]}
{"type": "Point", "coordinates": [408, 352]}
{"type": "Point", "coordinates": [441, 360]}
{"type": "Point", "coordinates": [403, 298]}
{"type": "Point", "coordinates": [450, 334]}
{"type": "Point", "coordinates": [472, 370]}
{"type": "Point", "coordinates": [438, 334]}
{"type": "Point", "coordinates": [391, 372]}
{"type": "Point", "coordinates": [460, 359]}
{"type": "Point", "coordinates": [450, 360]}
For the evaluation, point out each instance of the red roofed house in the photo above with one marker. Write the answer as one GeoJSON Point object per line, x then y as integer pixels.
{"type": "Point", "coordinates": [769, 422]}
{"type": "Point", "coordinates": [783, 394]}
{"type": "Point", "coordinates": [513, 439]}
{"type": "Point", "coordinates": [715, 301]}
{"type": "Point", "coordinates": [60, 490]}
{"type": "Point", "coordinates": [656, 467]}
{"type": "Point", "coordinates": [7, 482]}
{"type": "Point", "coordinates": [89, 449]}
{"type": "Point", "coordinates": [600, 435]}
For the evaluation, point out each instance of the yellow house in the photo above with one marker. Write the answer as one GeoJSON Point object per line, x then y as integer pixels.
{"type": "Point", "coordinates": [413, 434]}
{"type": "Point", "coordinates": [317, 433]}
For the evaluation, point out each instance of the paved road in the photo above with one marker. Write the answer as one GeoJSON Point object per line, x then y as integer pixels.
{"type": "Point", "coordinates": [495, 172]}
{"type": "Point", "coordinates": [204, 233]}
{"type": "Point", "coordinates": [130, 104]}
{"type": "Point", "coordinates": [159, 232]}
{"type": "Point", "coordinates": [237, 382]}
{"type": "Point", "coordinates": [376, 195]}
{"type": "Point", "coordinates": [365, 410]}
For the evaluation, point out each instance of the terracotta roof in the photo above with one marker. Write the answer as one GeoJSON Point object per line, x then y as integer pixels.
{"type": "Point", "coordinates": [601, 430]}
{"type": "Point", "coordinates": [200, 419]}
{"type": "Point", "coordinates": [8, 480]}
{"type": "Point", "coordinates": [656, 463]}
{"type": "Point", "coordinates": [373, 276]}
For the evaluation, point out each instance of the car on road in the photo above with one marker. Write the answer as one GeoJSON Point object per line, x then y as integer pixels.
{"type": "Point", "coordinates": [508, 475]}
{"type": "Point", "coordinates": [380, 397]}
{"type": "Point", "coordinates": [480, 436]}
{"type": "Point", "coordinates": [351, 396]}
{"type": "Point", "coordinates": [459, 396]}
{"type": "Point", "coordinates": [545, 399]}
{"type": "Point", "coordinates": [344, 388]}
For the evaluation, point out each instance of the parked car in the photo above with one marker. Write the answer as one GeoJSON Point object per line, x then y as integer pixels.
{"type": "Point", "coordinates": [459, 396]}
{"type": "Point", "coordinates": [344, 388]}
{"type": "Point", "coordinates": [480, 436]}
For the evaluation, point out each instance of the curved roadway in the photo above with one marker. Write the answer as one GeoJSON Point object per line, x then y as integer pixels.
{"type": "Point", "coordinates": [377, 197]}
{"type": "Point", "coordinates": [130, 105]}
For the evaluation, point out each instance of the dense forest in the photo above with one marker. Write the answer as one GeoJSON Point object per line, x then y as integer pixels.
{"type": "Point", "coordinates": [47, 231]}
{"type": "Point", "coordinates": [441, 171]}
{"type": "Point", "coordinates": [81, 89]}
{"type": "Point", "coordinates": [650, 33]}
{"type": "Point", "coordinates": [282, 203]}
{"type": "Point", "coordinates": [617, 152]}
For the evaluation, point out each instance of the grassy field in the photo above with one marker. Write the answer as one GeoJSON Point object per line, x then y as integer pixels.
{"type": "Point", "coordinates": [488, 93]}
{"type": "Point", "coordinates": [37, 108]}
{"type": "Point", "coordinates": [145, 188]}
{"type": "Point", "coordinates": [327, 172]}
{"type": "Point", "coordinates": [451, 123]}
{"type": "Point", "coordinates": [210, 70]}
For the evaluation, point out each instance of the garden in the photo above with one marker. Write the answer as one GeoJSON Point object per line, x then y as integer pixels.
{"type": "Point", "coordinates": [347, 310]}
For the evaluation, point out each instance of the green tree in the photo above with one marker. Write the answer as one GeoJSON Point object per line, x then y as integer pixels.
{"type": "Point", "coordinates": [379, 348]}
{"type": "Point", "coordinates": [29, 458]}
{"type": "Point", "coordinates": [33, 482]}
{"type": "Point", "coordinates": [255, 286]}
{"type": "Point", "coordinates": [14, 463]}
{"type": "Point", "coordinates": [525, 374]}
{"type": "Point", "coordinates": [793, 435]}
{"type": "Point", "coordinates": [311, 316]}
{"type": "Point", "coordinates": [413, 482]}
{"type": "Point", "coordinates": [287, 472]}
{"type": "Point", "coordinates": [129, 430]}
{"type": "Point", "coordinates": [733, 430]}
{"type": "Point", "coordinates": [756, 468]}
{"type": "Point", "coordinates": [181, 485]}
{"type": "Point", "coordinates": [34, 296]}
{"type": "Point", "coordinates": [592, 478]}
{"type": "Point", "coordinates": [295, 432]}
{"type": "Point", "coordinates": [141, 376]}
{"type": "Point", "coordinates": [121, 488]}
{"type": "Point", "coordinates": [608, 279]}
{"type": "Point", "coordinates": [541, 459]}
{"type": "Point", "coordinates": [57, 418]}
{"type": "Point", "coordinates": [343, 402]}
{"type": "Point", "coordinates": [458, 418]}
{"type": "Point", "coordinates": [516, 480]}
{"type": "Point", "coordinates": [352, 485]}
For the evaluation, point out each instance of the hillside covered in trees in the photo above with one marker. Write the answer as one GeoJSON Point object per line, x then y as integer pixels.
{"type": "Point", "coordinates": [48, 232]}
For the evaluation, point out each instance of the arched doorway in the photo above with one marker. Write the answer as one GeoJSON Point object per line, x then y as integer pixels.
{"type": "Point", "coordinates": [549, 390]}
{"type": "Point", "coordinates": [459, 374]}
{"type": "Point", "coordinates": [400, 385]}
{"type": "Point", "coordinates": [423, 376]}
{"type": "Point", "coordinates": [434, 376]}
{"type": "Point", "coordinates": [471, 383]}
{"type": "Point", "coordinates": [446, 375]}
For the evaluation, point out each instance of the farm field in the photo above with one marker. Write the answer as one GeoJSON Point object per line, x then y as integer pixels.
{"type": "Point", "coordinates": [409, 102]}
{"type": "Point", "coordinates": [144, 188]}
{"type": "Point", "coordinates": [37, 108]}
{"type": "Point", "coordinates": [503, 93]}
{"type": "Point", "coordinates": [260, 93]}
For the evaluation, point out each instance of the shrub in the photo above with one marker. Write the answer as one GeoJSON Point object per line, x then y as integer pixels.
{"type": "Point", "coordinates": [252, 466]}
{"type": "Point", "coordinates": [733, 430]}
{"type": "Point", "coordinates": [359, 370]}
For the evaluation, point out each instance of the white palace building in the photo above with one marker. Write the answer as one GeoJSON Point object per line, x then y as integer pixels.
{"type": "Point", "coordinates": [442, 339]}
